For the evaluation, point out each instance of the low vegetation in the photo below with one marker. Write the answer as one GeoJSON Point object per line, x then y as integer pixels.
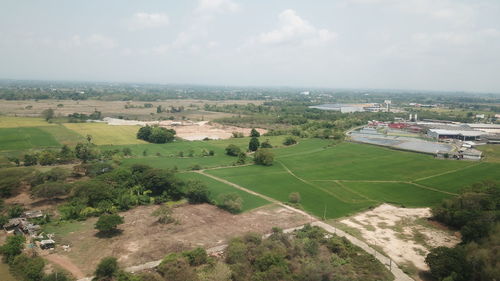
{"type": "Point", "coordinates": [475, 214]}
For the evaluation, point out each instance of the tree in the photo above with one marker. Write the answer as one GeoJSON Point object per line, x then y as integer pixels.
{"type": "Point", "coordinates": [294, 197]}
{"type": "Point", "coordinates": [47, 157]}
{"type": "Point", "coordinates": [233, 150]}
{"type": "Point", "coordinates": [264, 156]}
{"type": "Point", "coordinates": [106, 268]}
{"type": "Point", "coordinates": [445, 262]}
{"type": "Point", "coordinates": [28, 269]}
{"type": "Point", "coordinates": [196, 256]}
{"type": "Point", "coordinates": [254, 133]}
{"type": "Point", "coordinates": [197, 192]}
{"type": "Point", "coordinates": [289, 141]}
{"type": "Point", "coordinates": [50, 190]}
{"type": "Point", "coordinates": [242, 158]}
{"type": "Point", "coordinates": [13, 246]}
{"type": "Point", "coordinates": [231, 202]}
{"type": "Point", "coordinates": [108, 223]}
{"type": "Point", "coordinates": [159, 109]}
{"type": "Point", "coordinates": [48, 114]}
{"type": "Point", "coordinates": [85, 152]}
{"type": "Point", "coordinates": [177, 268]}
{"type": "Point", "coordinates": [144, 133]}
{"type": "Point", "coordinates": [254, 144]}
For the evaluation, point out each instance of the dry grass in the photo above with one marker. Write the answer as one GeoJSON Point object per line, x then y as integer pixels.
{"type": "Point", "coordinates": [143, 239]}
{"type": "Point", "coordinates": [103, 134]}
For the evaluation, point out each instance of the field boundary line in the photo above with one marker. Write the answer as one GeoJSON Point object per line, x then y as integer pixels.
{"type": "Point", "coordinates": [355, 192]}
{"type": "Point", "coordinates": [431, 188]}
{"type": "Point", "coordinates": [316, 186]}
{"type": "Point", "coordinates": [448, 172]}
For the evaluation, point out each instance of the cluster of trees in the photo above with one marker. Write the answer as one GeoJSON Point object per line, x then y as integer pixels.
{"type": "Point", "coordinates": [81, 117]}
{"type": "Point", "coordinates": [475, 212]}
{"type": "Point", "coordinates": [156, 134]}
{"type": "Point", "coordinates": [308, 254]}
{"type": "Point", "coordinates": [24, 267]}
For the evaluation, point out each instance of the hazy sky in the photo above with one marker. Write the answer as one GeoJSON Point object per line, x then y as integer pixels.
{"type": "Point", "coordinates": [404, 44]}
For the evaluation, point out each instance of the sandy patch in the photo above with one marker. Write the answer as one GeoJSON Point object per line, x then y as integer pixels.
{"type": "Point", "coordinates": [396, 232]}
{"type": "Point", "coordinates": [189, 130]}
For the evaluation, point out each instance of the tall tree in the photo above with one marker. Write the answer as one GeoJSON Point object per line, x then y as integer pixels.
{"type": "Point", "coordinates": [254, 144]}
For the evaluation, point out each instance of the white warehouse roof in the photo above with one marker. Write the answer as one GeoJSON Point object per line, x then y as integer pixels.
{"type": "Point", "coordinates": [458, 132]}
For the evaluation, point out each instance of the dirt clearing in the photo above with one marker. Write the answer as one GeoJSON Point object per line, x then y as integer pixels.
{"type": "Point", "coordinates": [401, 233]}
{"type": "Point", "coordinates": [144, 240]}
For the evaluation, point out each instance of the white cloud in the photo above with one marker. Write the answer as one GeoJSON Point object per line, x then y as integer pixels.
{"type": "Point", "coordinates": [144, 21]}
{"type": "Point", "coordinates": [216, 6]}
{"type": "Point", "coordinates": [99, 41]}
{"type": "Point", "coordinates": [296, 31]}
{"type": "Point", "coordinates": [450, 11]}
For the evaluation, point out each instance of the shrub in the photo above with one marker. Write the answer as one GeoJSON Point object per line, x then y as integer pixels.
{"type": "Point", "coordinates": [231, 202]}
{"type": "Point", "coordinates": [13, 246]}
{"type": "Point", "coordinates": [164, 214]}
{"type": "Point", "coordinates": [106, 268]}
{"type": "Point", "coordinates": [27, 269]}
{"type": "Point", "coordinates": [289, 141]}
{"type": "Point", "coordinates": [197, 192]}
{"type": "Point", "coordinates": [294, 197]}
{"type": "Point", "coordinates": [266, 144]}
{"type": "Point", "coordinates": [264, 157]}
{"type": "Point", "coordinates": [232, 150]}
{"type": "Point", "coordinates": [108, 223]}
{"type": "Point", "coordinates": [196, 257]}
{"type": "Point", "coordinates": [156, 134]}
{"type": "Point", "coordinates": [50, 190]}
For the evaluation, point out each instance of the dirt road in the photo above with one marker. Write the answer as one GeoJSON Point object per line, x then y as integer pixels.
{"type": "Point", "coordinates": [65, 263]}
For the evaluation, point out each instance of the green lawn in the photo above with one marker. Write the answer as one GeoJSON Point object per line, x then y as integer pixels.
{"type": "Point", "coordinates": [24, 138]}
{"type": "Point", "coordinates": [217, 188]}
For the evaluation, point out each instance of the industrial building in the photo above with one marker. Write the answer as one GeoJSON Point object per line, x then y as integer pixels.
{"type": "Point", "coordinates": [463, 135]}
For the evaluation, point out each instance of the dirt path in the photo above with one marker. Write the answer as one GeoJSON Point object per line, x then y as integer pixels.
{"type": "Point", "coordinates": [65, 263]}
{"type": "Point", "coordinates": [399, 275]}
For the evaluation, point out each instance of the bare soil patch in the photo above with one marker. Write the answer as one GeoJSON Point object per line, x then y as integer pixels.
{"type": "Point", "coordinates": [144, 240]}
{"type": "Point", "coordinates": [400, 233]}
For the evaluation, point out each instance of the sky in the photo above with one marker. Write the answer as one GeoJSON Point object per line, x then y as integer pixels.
{"type": "Point", "coordinates": [451, 45]}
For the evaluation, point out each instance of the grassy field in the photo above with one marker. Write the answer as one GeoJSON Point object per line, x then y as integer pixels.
{"type": "Point", "coordinates": [24, 138]}
{"type": "Point", "coordinates": [491, 152]}
{"type": "Point", "coordinates": [16, 122]}
{"type": "Point", "coordinates": [344, 179]}
{"type": "Point", "coordinates": [217, 188]}
{"type": "Point", "coordinates": [104, 134]}
{"type": "Point", "coordinates": [167, 155]}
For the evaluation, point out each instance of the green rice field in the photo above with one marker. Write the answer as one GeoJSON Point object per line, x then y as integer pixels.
{"type": "Point", "coordinates": [343, 179]}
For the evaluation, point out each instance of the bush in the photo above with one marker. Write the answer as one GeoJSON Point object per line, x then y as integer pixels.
{"type": "Point", "coordinates": [197, 192]}
{"type": "Point", "coordinates": [242, 158]}
{"type": "Point", "coordinates": [294, 197]}
{"type": "Point", "coordinates": [289, 141]}
{"type": "Point", "coordinates": [50, 190]}
{"type": "Point", "coordinates": [47, 157]}
{"type": "Point", "coordinates": [30, 160]}
{"type": "Point", "coordinates": [264, 157]}
{"type": "Point", "coordinates": [164, 214]}
{"type": "Point", "coordinates": [445, 262]}
{"type": "Point", "coordinates": [27, 269]}
{"type": "Point", "coordinates": [266, 144]}
{"type": "Point", "coordinates": [108, 223]}
{"type": "Point", "coordinates": [106, 268]}
{"type": "Point", "coordinates": [233, 150]}
{"type": "Point", "coordinates": [13, 246]}
{"type": "Point", "coordinates": [196, 257]}
{"type": "Point", "coordinates": [231, 202]}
